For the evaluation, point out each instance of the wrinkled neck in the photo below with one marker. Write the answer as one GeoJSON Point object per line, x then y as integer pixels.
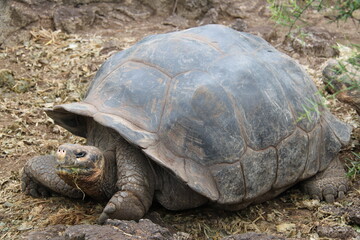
{"type": "Point", "coordinates": [105, 139]}
{"type": "Point", "coordinates": [89, 184]}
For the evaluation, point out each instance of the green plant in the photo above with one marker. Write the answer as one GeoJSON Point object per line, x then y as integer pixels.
{"type": "Point", "coordinates": [290, 12]}
{"type": "Point", "coordinates": [311, 108]}
{"type": "Point", "coordinates": [348, 70]}
{"type": "Point", "coordinates": [354, 167]}
{"type": "Point", "coordinates": [346, 9]}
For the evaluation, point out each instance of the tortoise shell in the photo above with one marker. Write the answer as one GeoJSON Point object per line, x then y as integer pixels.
{"type": "Point", "coordinates": [221, 109]}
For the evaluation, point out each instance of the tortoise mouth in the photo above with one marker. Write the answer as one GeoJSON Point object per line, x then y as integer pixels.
{"type": "Point", "coordinates": [71, 170]}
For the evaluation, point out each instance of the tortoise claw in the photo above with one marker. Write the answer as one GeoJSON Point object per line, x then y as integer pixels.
{"type": "Point", "coordinates": [103, 217]}
{"type": "Point", "coordinates": [108, 210]}
{"type": "Point", "coordinates": [123, 205]}
{"type": "Point", "coordinates": [32, 188]}
{"type": "Point", "coordinates": [329, 198]}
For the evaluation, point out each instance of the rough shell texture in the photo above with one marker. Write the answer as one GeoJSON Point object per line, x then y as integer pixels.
{"type": "Point", "coordinates": [221, 109]}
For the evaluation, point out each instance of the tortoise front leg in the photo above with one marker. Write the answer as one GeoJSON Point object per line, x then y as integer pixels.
{"type": "Point", "coordinates": [135, 183]}
{"type": "Point", "coordinates": [39, 179]}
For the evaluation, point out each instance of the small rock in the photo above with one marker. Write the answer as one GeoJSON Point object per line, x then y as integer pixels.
{"type": "Point", "coordinates": [352, 212]}
{"type": "Point", "coordinates": [56, 129]}
{"type": "Point", "coordinates": [341, 232]}
{"type": "Point", "coordinates": [266, 32]}
{"type": "Point", "coordinates": [253, 236]}
{"type": "Point", "coordinates": [51, 232]}
{"type": "Point", "coordinates": [71, 20]}
{"type": "Point", "coordinates": [8, 81]}
{"type": "Point", "coordinates": [144, 228]}
{"type": "Point", "coordinates": [22, 85]}
{"type": "Point", "coordinates": [354, 215]}
{"type": "Point", "coordinates": [7, 78]}
{"type": "Point", "coordinates": [342, 82]}
{"type": "Point", "coordinates": [295, 56]}
{"type": "Point", "coordinates": [312, 41]}
{"type": "Point", "coordinates": [113, 229]}
{"type": "Point", "coordinates": [24, 227]}
{"type": "Point", "coordinates": [109, 47]}
{"type": "Point", "coordinates": [210, 17]}
{"type": "Point", "coordinates": [236, 9]}
{"type": "Point", "coordinates": [7, 204]}
{"type": "Point", "coordinates": [239, 25]}
{"type": "Point", "coordinates": [356, 14]}
{"type": "Point", "coordinates": [265, 11]}
{"type": "Point", "coordinates": [331, 209]}
{"type": "Point", "coordinates": [176, 21]}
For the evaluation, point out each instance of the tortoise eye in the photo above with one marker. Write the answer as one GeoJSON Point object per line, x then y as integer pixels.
{"type": "Point", "coordinates": [80, 154]}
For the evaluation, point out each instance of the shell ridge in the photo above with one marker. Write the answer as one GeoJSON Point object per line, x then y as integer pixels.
{"type": "Point", "coordinates": [307, 153]}
{"type": "Point", "coordinates": [151, 65]}
{"type": "Point", "coordinates": [101, 81]}
{"type": "Point", "coordinates": [167, 93]}
{"type": "Point", "coordinates": [199, 39]}
{"type": "Point", "coordinates": [239, 118]}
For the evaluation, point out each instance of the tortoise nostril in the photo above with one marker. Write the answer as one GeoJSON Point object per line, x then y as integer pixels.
{"type": "Point", "coordinates": [61, 151]}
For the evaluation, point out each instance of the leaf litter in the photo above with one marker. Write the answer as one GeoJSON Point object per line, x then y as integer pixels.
{"type": "Point", "coordinates": [56, 68]}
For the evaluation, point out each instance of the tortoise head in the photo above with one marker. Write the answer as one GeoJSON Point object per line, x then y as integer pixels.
{"type": "Point", "coordinates": [81, 167]}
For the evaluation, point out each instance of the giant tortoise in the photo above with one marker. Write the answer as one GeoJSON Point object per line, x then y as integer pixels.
{"type": "Point", "coordinates": [207, 115]}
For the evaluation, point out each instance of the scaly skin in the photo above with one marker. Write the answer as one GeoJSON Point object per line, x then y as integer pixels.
{"type": "Point", "coordinates": [39, 179]}
{"type": "Point", "coordinates": [330, 184]}
{"type": "Point", "coordinates": [135, 184]}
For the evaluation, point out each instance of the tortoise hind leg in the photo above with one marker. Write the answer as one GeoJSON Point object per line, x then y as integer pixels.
{"type": "Point", "coordinates": [329, 184]}
{"type": "Point", "coordinates": [39, 179]}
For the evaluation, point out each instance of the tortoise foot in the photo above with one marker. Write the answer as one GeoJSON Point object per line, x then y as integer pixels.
{"type": "Point", "coordinates": [40, 180]}
{"type": "Point", "coordinates": [123, 205]}
{"type": "Point", "coordinates": [329, 185]}
{"type": "Point", "coordinates": [30, 183]}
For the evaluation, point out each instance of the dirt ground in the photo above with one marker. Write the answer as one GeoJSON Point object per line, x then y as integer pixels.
{"type": "Point", "coordinates": [54, 68]}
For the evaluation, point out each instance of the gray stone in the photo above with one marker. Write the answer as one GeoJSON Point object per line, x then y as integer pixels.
{"type": "Point", "coordinates": [113, 229]}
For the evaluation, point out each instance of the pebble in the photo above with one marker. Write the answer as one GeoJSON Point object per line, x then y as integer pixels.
{"type": "Point", "coordinates": [8, 204]}
{"type": "Point", "coordinates": [6, 78]}
{"type": "Point", "coordinates": [24, 227]}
